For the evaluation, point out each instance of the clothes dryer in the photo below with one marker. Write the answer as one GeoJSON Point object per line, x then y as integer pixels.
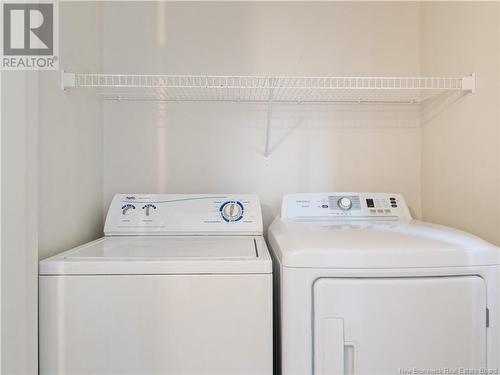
{"type": "Point", "coordinates": [366, 289]}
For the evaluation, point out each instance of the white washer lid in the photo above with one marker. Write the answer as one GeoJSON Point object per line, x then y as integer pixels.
{"type": "Point", "coordinates": [162, 255]}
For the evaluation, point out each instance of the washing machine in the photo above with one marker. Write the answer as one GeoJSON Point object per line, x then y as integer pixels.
{"type": "Point", "coordinates": [179, 284]}
{"type": "Point", "coordinates": [366, 289]}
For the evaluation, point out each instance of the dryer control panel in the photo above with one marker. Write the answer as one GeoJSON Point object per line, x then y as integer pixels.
{"type": "Point", "coordinates": [344, 205]}
{"type": "Point", "coordinates": [178, 214]}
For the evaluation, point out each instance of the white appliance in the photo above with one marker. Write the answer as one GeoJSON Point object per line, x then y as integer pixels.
{"type": "Point", "coordinates": [180, 284]}
{"type": "Point", "coordinates": [365, 289]}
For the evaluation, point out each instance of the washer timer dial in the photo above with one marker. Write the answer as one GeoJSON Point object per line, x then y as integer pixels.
{"type": "Point", "coordinates": [231, 211]}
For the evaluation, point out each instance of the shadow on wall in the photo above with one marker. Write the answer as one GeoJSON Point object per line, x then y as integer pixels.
{"type": "Point", "coordinates": [431, 108]}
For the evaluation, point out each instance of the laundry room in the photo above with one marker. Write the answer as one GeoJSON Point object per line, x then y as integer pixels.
{"type": "Point", "coordinates": [166, 157]}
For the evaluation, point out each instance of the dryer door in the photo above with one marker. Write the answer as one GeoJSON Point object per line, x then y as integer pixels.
{"type": "Point", "coordinates": [388, 326]}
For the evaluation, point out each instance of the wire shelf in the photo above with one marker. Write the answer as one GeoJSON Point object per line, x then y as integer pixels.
{"type": "Point", "coordinates": [405, 90]}
{"type": "Point", "coordinates": [270, 90]}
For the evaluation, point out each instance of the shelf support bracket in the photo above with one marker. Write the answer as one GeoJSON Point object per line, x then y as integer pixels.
{"type": "Point", "coordinates": [267, 150]}
{"type": "Point", "coordinates": [268, 128]}
{"type": "Point", "coordinates": [68, 80]}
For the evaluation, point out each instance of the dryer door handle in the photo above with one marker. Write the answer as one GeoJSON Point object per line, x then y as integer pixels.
{"type": "Point", "coordinates": [349, 349]}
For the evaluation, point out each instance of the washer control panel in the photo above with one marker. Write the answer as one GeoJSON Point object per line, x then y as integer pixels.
{"type": "Point", "coordinates": [177, 214]}
{"type": "Point", "coordinates": [344, 205]}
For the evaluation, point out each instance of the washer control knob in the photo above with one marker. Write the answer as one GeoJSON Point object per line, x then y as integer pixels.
{"type": "Point", "coordinates": [344, 203]}
{"type": "Point", "coordinates": [231, 211]}
{"type": "Point", "coordinates": [126, 209]}
{"type": "Point", "coordinates": [147, 209]}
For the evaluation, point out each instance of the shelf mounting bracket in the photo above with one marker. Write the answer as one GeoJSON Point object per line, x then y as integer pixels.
{"type": "Point", "coordinates": [469, 83]}
{"type": "Point", "coordinates": [267, 150]}
{"type": "Point", "coordinates": [68, 80]}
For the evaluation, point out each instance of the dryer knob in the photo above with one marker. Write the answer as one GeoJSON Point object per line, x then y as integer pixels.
{"type": "Point", "coordinates": [344, 203]}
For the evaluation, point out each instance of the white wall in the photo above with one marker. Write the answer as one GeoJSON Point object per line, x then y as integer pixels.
{"type": "Point", "coordinates": [154, 147]}
{"type": "Point", "coordinates": [19, 259]}
{"type": "Point", "coordinates": [51, 152]}
{"type": "Point", "coordinates": [461, 148]}
{"type": "Point", "coordinates": [70, 156]}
